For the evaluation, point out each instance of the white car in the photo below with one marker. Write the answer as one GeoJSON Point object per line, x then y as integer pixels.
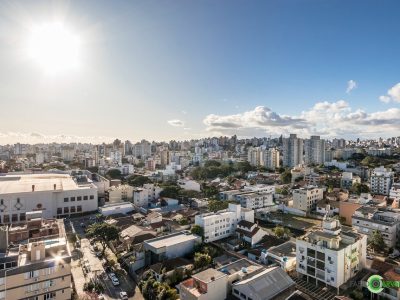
{"type": "Point", "coordinates": [111, 275]}
{"type": "Point", "coordinates": [123, 295]}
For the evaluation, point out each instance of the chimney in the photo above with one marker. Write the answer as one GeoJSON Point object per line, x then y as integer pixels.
{"type": "Point", "coordinates": [33, 187]}
{"type": "Point", "coordinates": [55, 186]}
{"type": "Point", "coordinates": [37, 251]}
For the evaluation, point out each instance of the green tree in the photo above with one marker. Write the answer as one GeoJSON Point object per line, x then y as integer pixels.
{"type": "Point", "coordinates": [215, 205]}
{"type": "Point", "coordinates": [286, 177]}
{"type": "Point", "coordinates": [170, 191]}
{"type": "Point", "coordinates": [138, 180]}
{"type": "Point", "coordinates": [360, 188]}
{"type": "Point", "coordinates": [201, 260]}
{"type": "Point", "coordinates": [212, 163]}
{"type": "Point", "coordinates": [114, 174]}
{"type": "Point", "coordinates": [103, 233]}
{"type": "Point", "coordinates": [281, 232]}
{"type": "Point", "coordinates": [376, 241]}
{"type": "Point", "coordinates": [197, 229]}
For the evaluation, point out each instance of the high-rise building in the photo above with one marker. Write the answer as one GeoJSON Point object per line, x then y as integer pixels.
{"type": "Point", "coordinates": [271, 158]}
{"type": "Point", "coordinates": [292, 151]}
{"type": "Point", "coordinates": [314, 150]}
{"type": "Point", "coordinates": [381, 181]}
{"type": "Point", "coordinates": [254, 156]}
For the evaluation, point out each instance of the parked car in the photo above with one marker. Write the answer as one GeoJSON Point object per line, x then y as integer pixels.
{"type": "Point", "coordinates": [123, 295]}
{"type": "Point", "coordinates": [115, 281]}
{"type": "Point", "coordinates": [371, 257]}
{"type": "Point", "coordinates": [99, 254]}
{"type": "Point", "coordinates": [111, 275]}
{"type": "Point", "coordinates": [83, 225]}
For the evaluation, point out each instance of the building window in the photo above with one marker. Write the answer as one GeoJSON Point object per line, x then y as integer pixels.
{"type": "Point", "coordinates": [49, 296]}
{"type": "Point", "coordinates": [48, 283]}
{"type": "Point", "coordinates": [79, 208]}
{"type": "Point", "coordinates": [79, 198]}
{"type": "Point", "coordinates": [59, 211]}
{"type": "Point", "coordinates": [14, 218]}
{"type": "Point", "coordinates": [6, 219]}
{"type": "Point", "coordinates": [22, 217]}
{"type": "Point", "coordinates": [2, 295]}
{"type": "Point", "coordinates": [32, 274]}
{"type": "Point", "coordinates": [85, 197]}
{"type": "Point", "coordinates": [65, 199]}
{"type": "Point", "coordinates": [91, 197]}
{"type": "Point", "coordinates": [72, 209]}
{"type": "Point", "coordinates": [72, 199]}
{"type": "Point", "coordinates": [66, 210]}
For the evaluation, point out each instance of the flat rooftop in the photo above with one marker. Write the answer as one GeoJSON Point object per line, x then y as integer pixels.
{"type": "Point", "coordinates": [208, 275]}
{"type": "Point", "coordinates": [171, 239]}
{"type": "Point", "coordinates": [22, 183]}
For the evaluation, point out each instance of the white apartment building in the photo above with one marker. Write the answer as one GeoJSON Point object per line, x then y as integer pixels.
{"type": "Point", "coordinates": [381, 181]}
{"type": "Point", "coordinates": [149, 192]}
{"type": "Point", "coordinates": [55, 194]}
{"type": "Point", "coordinates": [306, 199]}
{"type": "Point", "coordinates": [330, 255]}
{"type": "Point", "coordinates": [224, 222]}
{"type": "Point", "coordinates": [122, 192]}
{"type": "Point", "coordinates": [254, 156]}
{"type": "Point", "coordinates": [367, 219]}
{"type": "Point", "coordinates": [271, 158]}
{"type": "Point", "coordinates": [256, 200]}
{"type": "Point", "coordinates": [395, 190]}
{"type": "Point", "coordinates": [292, 151]}
{"type": "Point", "coordinates": [189, 185]}
{"type": "Point", "coordinates": [314, 150]}
{"type": "Point", "coordinates": [348, 180]}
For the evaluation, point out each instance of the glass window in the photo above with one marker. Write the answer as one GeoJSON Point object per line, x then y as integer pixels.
{"type": "Point", "coordinates": [65, 199]}
{"type": "Point", "coordinates": [79, 198]}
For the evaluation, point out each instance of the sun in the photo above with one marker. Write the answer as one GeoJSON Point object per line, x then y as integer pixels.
{"type": "Point", "coordinates": [53, 47]}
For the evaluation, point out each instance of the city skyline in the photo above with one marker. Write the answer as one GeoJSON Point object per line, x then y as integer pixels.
{"type": "Point", "coordinates": [197, 69]}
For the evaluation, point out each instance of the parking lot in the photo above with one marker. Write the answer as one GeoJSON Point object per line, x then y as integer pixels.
{"type": "Point", "coordinates": [86, 265]}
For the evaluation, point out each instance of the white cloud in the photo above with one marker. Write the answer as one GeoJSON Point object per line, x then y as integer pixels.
{"type": "Point", "coordinates": [37, 138]}
{"type": "Point", "coordinates": [351, 85]}
{"type": "Point", "coordinates": [176, 123]}
{"type": "Point", "coordinates": [393, 94]}
{"type": "Point", "coordinates": [329, 119]}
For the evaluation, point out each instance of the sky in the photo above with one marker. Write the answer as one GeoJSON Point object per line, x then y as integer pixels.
{"type": "Point", "coordinates": [183, 69]}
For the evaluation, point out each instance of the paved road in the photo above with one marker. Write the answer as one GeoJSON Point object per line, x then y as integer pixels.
{"type": "Point", "coordinates": [86, 256]}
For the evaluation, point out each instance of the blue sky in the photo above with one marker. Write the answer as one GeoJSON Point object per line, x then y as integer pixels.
{"type": "Point", "coordinates": [208, 67]}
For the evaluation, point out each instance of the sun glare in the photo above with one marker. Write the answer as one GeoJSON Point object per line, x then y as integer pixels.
{"type": "Point", "coordinates": [54, 47]}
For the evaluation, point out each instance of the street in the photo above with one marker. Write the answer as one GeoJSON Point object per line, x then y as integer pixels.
{"type": "Point", "coordinates": [85, 258]}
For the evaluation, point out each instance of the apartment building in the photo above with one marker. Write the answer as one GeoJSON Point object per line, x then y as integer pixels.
{"type": "Point", "coordinates": [256, 200]}
{"type": "Point", "coordinates": [56, 195]}
{"type": "Point", "coordinates": [292, 151]}
{"type": "Point", "coordinates": [348, 180]}
{"type": "Point", "coordinates": [271, 158]}
{"type": "Point", "coordinates": [314, 150]}
{"type": "Point", "coordinates": [306, 199]}
{"type": "Point", "coordinates": [330, 256]}
{"type": "Point", "coordinates": [381, 181]}
{"type": "Point", "coordinates": [367, 219]}
{"type": "Point", "coordinates": [254, 156]}
{"type": "Point", "coordinates": [122, 192]}
{"type": "Point", "coordinates": [36, 269]}
{"type": "Point", "coordinates": [224, 222]}
{"type": "Point", "coordinates": [395, 191]}
{"type": "Point", "coordinates": [149, 192]}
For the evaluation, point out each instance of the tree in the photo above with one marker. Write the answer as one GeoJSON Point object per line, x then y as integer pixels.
{"type": "Point", "coordinates": [114, 174]}
{"type": "Point", "coordinates": [201, 260]}
{"type": "Point", "coordinates": [209, 191]}
{"type": "Point", "coordinates": [376, 241]}
{"type": "Point", "coordinates": [360, 188]}
{"type": "Point", "coordinates": [212, 163]}
{"type": "Point", "coordinates": [215, 205]}
{"type": "Point", "coordinates": [286, 177]}
{"type": "Point", "coordinates": [103, 233]}
{"type": "Point", "coordinates": [170, 191]}
{"type": "Point", "coordinates": [138, 180]}
{"type": "Point", "coordinates": [198, 230]}
{"type": "Point", "coordinates": [281, 232]}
